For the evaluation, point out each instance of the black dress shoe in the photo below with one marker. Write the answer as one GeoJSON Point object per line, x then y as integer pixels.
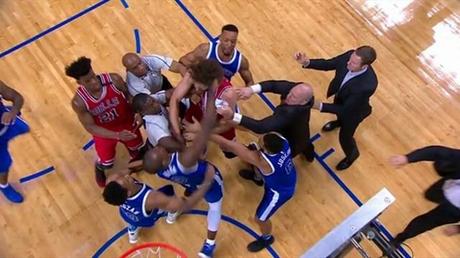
{"type": "Point", "coordinates": [249, 174]}
{"type": "Point", "coordinates": [309, 156]}
{"type": "Point", "coordinates": [260, 244]}
{"type": "Point", "coordinates": [345, 163]}
{"type": "Point", "coordinates": [331, 125]}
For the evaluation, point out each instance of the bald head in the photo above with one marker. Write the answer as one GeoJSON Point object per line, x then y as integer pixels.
{"type": "Point", "coordinates": [155, 159]}
{"type": "Point", "coordinates": [300, 94]}
{"type": "Point", "coordinates": [134, 64]}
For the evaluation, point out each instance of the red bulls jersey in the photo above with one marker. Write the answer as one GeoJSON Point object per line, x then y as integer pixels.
{"type": "Point", "coordinates": [111, 110]}
{"type": "Point", "coordinates": [223, 86]}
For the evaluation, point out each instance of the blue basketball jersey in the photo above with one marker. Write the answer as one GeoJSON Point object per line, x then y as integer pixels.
{"type": "Point", "coordinates": [133, 210]}
{"type": "Point", "coordinates": [283, 176]}
{"type": "Point", "coordinates": [192, 178]}
{"type": "Point", "coordinates": [231, 67]}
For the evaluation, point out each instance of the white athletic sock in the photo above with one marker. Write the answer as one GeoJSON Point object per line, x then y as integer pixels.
{"type": "Point", "coordinates": [211, 242]}
{"type": "Point", "coordinates": [214, 215]}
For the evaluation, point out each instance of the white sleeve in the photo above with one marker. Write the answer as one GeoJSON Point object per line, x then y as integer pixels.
{"type": "Point", "coordinates": [157, 62]}
{"type": "Point", "coordinates": [160, 96]}
{"type": "Point", "coordinates": [157, 127]}
{"type": "Point", "coordinates": [135, 85]}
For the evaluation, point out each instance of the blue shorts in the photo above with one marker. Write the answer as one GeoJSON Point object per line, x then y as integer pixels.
{"type": "Point", "coordinates": [7, 133]}
{"type": "Point", "coordinates": [271, 202]}
{"type": "Point", "coordinates": [216, 191]}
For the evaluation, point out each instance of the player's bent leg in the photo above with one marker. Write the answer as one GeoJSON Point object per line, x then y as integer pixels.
{"type": "Point", "coordinates": [133, 234]}
{"type": "Point", "coordinates": [136, 147]}
{"type": "Point", "coordinates": [265, 240]}
{"type": "Point", "coordinates": [105, 149]}
{"type": "Point", "coordinates": [171, 216]}
{"type": "Point", "coordinates": [214, 218]}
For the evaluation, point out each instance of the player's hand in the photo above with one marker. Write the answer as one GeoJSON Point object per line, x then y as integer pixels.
{"type": "Point", "coordinates": [226, 112]}
{"type": "Point", "coordinates": [178, 136]}
{"type": "Point", "coordinates": [138, 121]}
{"type": "Point", "coordinates": [244, 93]}
{"type": "Point", "coordinates": [189, 136]}
{"type": "Point", "coordinates": [195, 98]}
{"type": "Point", "coordinates": [9, 117]}
{"type": "Point", "coordinates": [302, 58]}
{"type": "Point", "coordinates": [193, 127]}
{"type": "Point", "coordinates": [398, 160]}
{"type": "Point", "coordinates": [126, 135]}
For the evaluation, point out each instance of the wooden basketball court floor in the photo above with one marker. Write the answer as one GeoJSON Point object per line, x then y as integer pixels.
{"type": "Point", "coordinates": [416, 104]}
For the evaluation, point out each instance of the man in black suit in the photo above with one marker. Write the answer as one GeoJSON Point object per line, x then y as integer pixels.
{"type": "Point", "coordinates": [290, 118]}
{"type": "Point", "coordinates": [445, 192]}
{"type": "Point", "coordinates": [354, 83]}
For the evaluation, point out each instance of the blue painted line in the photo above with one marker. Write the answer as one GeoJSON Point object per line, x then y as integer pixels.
{"type": "Point", "coordinates": [216, 38]}
{"type": "Point", "coordinates": [267, 101]}
{"type": "Point", "coordinates": [192, 17]}
{"type": "Point", "coordinates": [137, 37]}
{"type": "Point", "coordinates": [338, 180]}
{"type": "Point", "coordinates": [88, 145]}
{"type": "Point", "coordinates": [382, 228]}
{"type": "Point", "coordinates": [36, 175]}
{"type": "Point", "coordinates": [315, 137]}
{"type": "Point", "coordinates": [110, 242]}
{"type": "Point", "coordinates": [53, 28]}
{"type": "Point", "coordinates": [326, 154]}
{"type": "Point", "coordinates": [228, 219]}
{"type": "Point", "coordinates": [124, 3]}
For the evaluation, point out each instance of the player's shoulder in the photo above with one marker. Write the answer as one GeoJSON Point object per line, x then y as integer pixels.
{"type": "Point", "coordinates": [78, 102]}
{"type": "Point", "coordinates": [203, 47]}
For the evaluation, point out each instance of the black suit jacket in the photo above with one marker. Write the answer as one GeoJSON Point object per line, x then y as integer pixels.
{"type": "Point", "coordinates": [446, 160]}
{"type": "Point", "coordinates": [291, 121]}
{"type": "Point", "coordinates": [352, 101]}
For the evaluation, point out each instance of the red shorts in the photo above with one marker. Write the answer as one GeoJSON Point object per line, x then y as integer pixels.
{"type": "Point", "coordinates": [105, 148]}
{"type": "Point", "coordinates": [195, 111]}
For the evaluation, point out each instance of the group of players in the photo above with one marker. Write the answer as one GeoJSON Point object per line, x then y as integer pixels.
{"type": "Point", "coordinates": [179, 121]}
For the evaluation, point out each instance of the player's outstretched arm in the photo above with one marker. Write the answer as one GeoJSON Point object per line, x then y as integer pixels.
{"type": "Point", "coordinates": [191, 154]}
{"type": "Point", "coordinates": [198, 53]}
{"type": "Point", "coordinates": [245, 73]}
{"type": "Point", "coordinates": [174, 203]}
{"type": "Point", "coordinates": [251, 157]}
{"type": "Point", "coordinates": [181, 90]}
{"type": "Point", "coordinates": [12, 95]}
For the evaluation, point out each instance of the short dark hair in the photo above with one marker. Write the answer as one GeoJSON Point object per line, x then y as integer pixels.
{"type": "Point", "coordinates": [139, 101]}
{"type": "Point", "coordinates": [78, 68]}
{"type": "Point", "coordinates": [273, 143]}
{"type": "Point", "coordinates": [367, 54]}
{"type": "Point", "coordinates": [206, 71]}
{"type": "Point", "coordinates": [229, 27]}
{"type": "Point", "coordinates": [115, 194]}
